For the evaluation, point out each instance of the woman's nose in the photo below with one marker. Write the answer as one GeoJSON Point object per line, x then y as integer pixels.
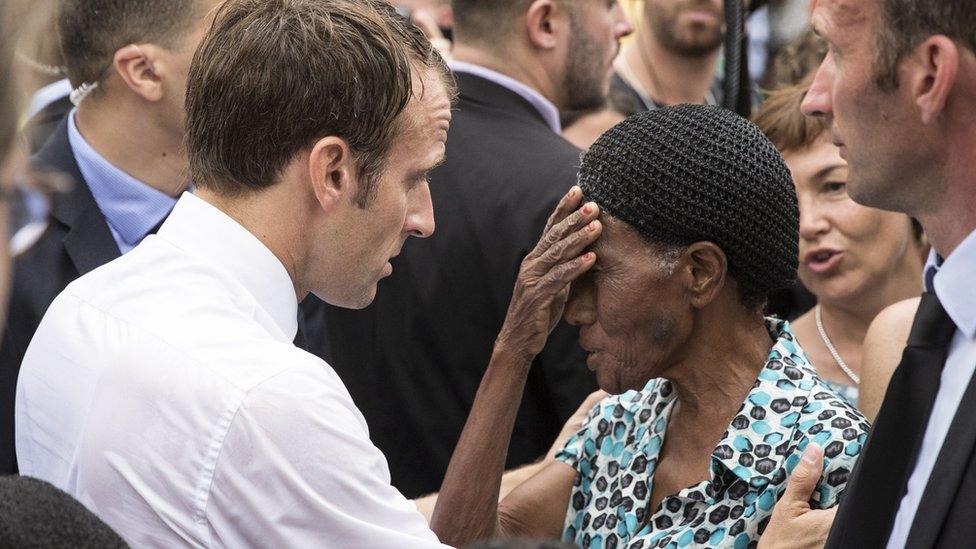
{"type": "Point", "coordinates": [579, 308]}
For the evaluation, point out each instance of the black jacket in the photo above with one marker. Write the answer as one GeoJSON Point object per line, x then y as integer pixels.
{"type": "Point", "coordinates": [413, 360]}
{"type": "Point", "coordinates": [76, 241]}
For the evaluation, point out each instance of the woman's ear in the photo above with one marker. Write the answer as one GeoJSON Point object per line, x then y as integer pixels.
{"type": "Point", "coordinates": [706, 266]}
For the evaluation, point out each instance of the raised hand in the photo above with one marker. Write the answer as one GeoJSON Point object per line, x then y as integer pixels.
{"type": "Point", "coordinates": [547, 272]}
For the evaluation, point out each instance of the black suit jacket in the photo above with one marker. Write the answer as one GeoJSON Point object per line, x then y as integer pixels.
{"type": "Point", "coordinates": [945, 515]}
{"type": "Point", "coordinates": [413, 360]}
{"type": "Point", "coordinates": [76, 241]}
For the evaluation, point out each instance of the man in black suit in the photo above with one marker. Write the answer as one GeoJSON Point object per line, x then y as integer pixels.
{"type": "Point", "coordinates": [122, 148]}
{"type": "Point", "coordinates": [897, 89]}
{"type": "Point", "coordinates": [414, 359]}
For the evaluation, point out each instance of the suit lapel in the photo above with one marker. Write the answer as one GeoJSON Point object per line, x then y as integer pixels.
{"type": "Point", "coordinates": [88, 243]}
{"type": "Point", "coordinates": [947, 474]}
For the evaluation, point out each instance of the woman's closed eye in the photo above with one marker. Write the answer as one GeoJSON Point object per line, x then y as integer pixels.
{"type": "Point", "coordinates": [835, 187]}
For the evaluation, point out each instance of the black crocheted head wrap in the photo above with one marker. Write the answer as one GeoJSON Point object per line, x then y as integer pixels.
{"type": "Point", "coordinates": [693, 173]}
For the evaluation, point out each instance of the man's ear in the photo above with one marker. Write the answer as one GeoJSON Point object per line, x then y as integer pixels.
{"type": "Point", "coordinates": [542, 24]}
{"type": "Point", "coordinates": [705, 267]}
{"type": "Point", "coordinates": [933, 75]}
{"type": "Point", "coordinates": [136, 65]}
{"type": "Point", "coordinates": [332, 171]}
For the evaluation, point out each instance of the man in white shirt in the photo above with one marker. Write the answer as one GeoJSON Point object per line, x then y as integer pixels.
{"type": "Point", "coordinates": [163, 389]}
{"type": "Point", "coordinates": [897, 88]}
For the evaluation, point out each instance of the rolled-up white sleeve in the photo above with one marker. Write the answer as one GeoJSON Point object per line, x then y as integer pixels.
{"type": "Point", "coordinates": [296, 468]}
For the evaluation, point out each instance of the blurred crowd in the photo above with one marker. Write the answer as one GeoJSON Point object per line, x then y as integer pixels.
{"type": "Point", "coordinates": [422, 273]}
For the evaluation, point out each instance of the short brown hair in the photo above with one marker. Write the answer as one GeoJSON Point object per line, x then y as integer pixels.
{"type": "Point", "coordinates": [93, 30]}
{"type": "Point", "coordinates": [907, 23]}
{"type": "Point", "coordinates": [273, 76]}
{"type": "Point", "coordinates": [779, 117]}
{"type": "Point", "coordinates": [485, 21]}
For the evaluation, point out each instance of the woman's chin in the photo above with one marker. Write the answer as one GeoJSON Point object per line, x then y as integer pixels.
{"type": "Point", "coordinates": [613, 384]}
{"type": "Point", "coordinates": [836, 290]}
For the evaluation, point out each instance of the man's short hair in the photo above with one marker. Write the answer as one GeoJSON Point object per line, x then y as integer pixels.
{"type": "Point", "coordinates": [907, 23]}
{"type": "Point", "coordinates": [485, 21]}
{"type": "Point", "coordinates": [93, 30]}
{"type": "Point", "coordinates": [779, 117]}
{"type": "Point", "coordinates": [273, 76]}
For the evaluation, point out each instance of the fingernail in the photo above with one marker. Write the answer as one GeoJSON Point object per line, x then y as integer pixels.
{"type": "Point", "coordinates": [586, 209]}
{"type": "Point", "coordinates": [592, 226]}
{"type": "Point", "coordinates": [811, 453]}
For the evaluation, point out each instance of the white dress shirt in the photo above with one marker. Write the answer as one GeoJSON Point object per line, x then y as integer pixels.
{"type": "Point", "coordinates": [954, 287]}
{"type": "Point", "coordinates": [164, 392]}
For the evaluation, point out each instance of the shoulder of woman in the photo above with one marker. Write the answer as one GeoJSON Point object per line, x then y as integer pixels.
{"type": "Point", "coordinates": [886, 339]}
{"type": "Point", "coordinates": [883, 346]}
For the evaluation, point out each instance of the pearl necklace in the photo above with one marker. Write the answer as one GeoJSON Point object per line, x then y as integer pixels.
{"type": "Point", "coordinates": [833, 350]}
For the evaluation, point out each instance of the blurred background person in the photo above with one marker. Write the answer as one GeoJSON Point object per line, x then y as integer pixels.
{"type": "Point", "coordinates": [673, 56]}
{"type": "Point", "coordinates": [122, 147]}
{"type": "Point", "coordinates": [856, 260]}
{"type": "Point", "coordinates": [671, 59]}
{"type": "Point", "coordinates": [420, 11]}
{"type": "Point", "coordinates": [797, 60]}
{"type": "Point", "coordinates": [434, 17]}
{"type": "Point", "coordinates": [32, 512]}
{"type": "Point", "coordinates": [414, 359]}
{"type": "Point", "coordinates": [40, 56]}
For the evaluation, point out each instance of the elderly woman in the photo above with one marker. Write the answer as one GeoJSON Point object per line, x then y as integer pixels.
{"type": "Point", "coordinates": [856, 260]}
{"type": "Point", "coordinates": [715, 404]}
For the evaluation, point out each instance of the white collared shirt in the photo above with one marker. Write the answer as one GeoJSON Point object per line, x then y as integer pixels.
{"type": "Point", "coordinates": [954, 288]}
{"type": "Point", "coordinates": [164, 392]}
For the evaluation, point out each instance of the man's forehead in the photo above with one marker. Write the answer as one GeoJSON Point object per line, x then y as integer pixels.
{"type": "Point", "coordinates": [434, 104]}
{"type": "Point", "coordinates": [842, 14]}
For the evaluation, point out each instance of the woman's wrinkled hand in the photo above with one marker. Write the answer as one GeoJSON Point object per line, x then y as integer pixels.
{"type": "Point", "coordinates": [546, 274]}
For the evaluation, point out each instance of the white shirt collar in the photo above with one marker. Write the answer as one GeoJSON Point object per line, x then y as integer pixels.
{"type": "Point", "coordinates": [200, 229]}
{"type": "Point", "coordinates": [953, 283]}
{"type": "Point", "coordinates": [545, 107]}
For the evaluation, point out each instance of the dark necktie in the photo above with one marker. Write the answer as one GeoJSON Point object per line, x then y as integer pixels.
{"type": "Point", "coordinates": [873, 495]}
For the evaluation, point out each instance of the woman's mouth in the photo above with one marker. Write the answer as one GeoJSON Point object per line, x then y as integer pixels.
{"type": "Point", "coordinates": [823, 261]}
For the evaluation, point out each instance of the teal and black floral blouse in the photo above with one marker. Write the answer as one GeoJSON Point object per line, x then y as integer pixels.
{"type": "Point", "coordinates": [617, 449]}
